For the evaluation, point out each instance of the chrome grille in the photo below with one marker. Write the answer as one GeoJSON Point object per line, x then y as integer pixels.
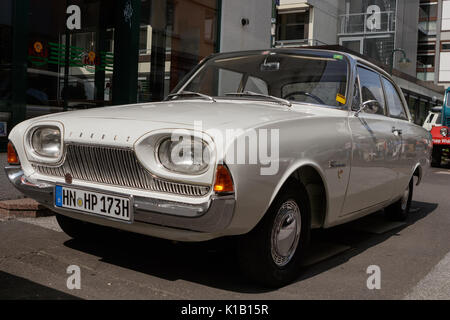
{"type": "Point", "coordinates": [113, 166]}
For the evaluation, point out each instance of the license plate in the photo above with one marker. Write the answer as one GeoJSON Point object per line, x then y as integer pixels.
{"type": "Point", "coordinates": [107, 205]}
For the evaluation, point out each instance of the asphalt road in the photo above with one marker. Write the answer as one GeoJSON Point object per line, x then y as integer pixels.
{"type": "Point", "coordinates": [413, 257]}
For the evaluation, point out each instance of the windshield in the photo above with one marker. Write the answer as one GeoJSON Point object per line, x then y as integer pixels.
{"type": "Point", "coordinates": [300, 76]}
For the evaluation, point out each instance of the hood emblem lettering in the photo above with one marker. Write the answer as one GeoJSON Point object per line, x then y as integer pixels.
{"type": "Point", "coordinates": [68, 178]}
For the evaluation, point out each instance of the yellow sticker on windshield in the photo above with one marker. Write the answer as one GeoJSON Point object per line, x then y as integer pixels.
{"type": "Point", "coordinates": [340, 98]}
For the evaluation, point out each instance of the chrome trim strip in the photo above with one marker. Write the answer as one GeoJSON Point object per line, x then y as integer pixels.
{"type": "Point", "coordinates": [211, 216]}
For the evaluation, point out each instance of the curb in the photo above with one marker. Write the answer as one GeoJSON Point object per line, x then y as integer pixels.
{"type": "Point", "coordinates": [23, 208]}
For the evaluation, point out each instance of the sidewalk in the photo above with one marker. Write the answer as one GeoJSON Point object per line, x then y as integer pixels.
{"type": "Point", "coordinates": [7, 191]}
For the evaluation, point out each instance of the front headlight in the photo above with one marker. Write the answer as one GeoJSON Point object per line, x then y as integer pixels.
{"type": "Point", "coordinates": [444, 132]}
{"type": "Point", "coordinates": [187, 155]}
{"type": "Point", "coordinates": [46, 142]}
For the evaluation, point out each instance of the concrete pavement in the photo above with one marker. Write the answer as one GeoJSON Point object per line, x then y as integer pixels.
{"type": "Point", "coordinates": [413, 258]}
{"type": "Point", "coordinates": [7, 191]}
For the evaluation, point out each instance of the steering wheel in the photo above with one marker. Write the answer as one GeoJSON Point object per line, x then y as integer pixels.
{"type": "Point", "coordinates": [310, 95]}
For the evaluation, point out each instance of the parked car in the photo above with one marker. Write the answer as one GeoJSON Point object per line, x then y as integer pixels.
{"type": "Point", "coordinates": [334, 142]}
{"type": "Point", "coordinates": [440, 134]}
{"type": "Point", "coordinates": [433, 118]}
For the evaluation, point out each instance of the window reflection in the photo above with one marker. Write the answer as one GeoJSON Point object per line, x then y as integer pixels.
{"type": "Point", "coordinates": [172, 44]}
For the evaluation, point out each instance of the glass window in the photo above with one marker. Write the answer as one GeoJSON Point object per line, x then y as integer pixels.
{"type": "Point", "coordinates": [303, 76]}
{"type": "Point", "coordinates": [394, 103]}
{"type": "Point", "coordinates": [175, 37]}
{"type": "Point", "coordinates": [439, 119]}
{"type": "Point", "coordinates": [229, 81]}
{"type": "Point", "coordinates": [69, 69]}
{"type": "Point", "coordinates": [256, 85]}
{"type": "Point", "coordinates": [293, 26]}
{"type": "Point", "coordinates": [5, 51]}
{"type": "Point", "coordinates": [371, 90]}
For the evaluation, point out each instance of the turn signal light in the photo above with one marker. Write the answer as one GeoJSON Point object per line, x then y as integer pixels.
{"type": "Point", "coordinates": [13, 158]}
{"type": "Point", "coordinates": [223, 183]}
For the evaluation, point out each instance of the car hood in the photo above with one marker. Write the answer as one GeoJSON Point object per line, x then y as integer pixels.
{"type": "Point", "coordinates": [122, 125]}
{"type": "Point", "coordinates": [185, 112]}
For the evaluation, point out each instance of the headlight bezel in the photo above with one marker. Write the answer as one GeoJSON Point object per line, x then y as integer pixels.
{"type": "Point", "coordinates": [146, 147]}
{"type": "Point", "coordinates": [194, 139]}
{"type": "Point", "coordinates": [38, 157]}
{"type": "Point", "coordinates": [444, 130]}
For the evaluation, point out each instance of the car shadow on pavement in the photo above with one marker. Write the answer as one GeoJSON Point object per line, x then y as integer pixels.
{"type": "Point", "coordinates": [359, 235]}
{"type": "Point", "coordinates": [214, 263]}
{"type": "Point", "coordinates": [17, 288]}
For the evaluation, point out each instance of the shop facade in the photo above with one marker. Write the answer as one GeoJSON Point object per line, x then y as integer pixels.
{"type": "Point", "coordinates": [59, 55]}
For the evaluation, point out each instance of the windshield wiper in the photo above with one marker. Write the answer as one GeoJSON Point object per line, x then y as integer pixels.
{"type": "Point", "coordinates": [251, 93]}
{"type": "Point", "coordinates": [190, 93]}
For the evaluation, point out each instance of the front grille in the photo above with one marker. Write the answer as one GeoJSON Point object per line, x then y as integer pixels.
{"type": "Point", "coordinates": [113, 166]}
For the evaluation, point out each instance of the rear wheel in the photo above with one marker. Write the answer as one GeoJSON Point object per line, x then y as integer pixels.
{"type": "Point", "coordinates": [399, 211]}
{"type": "Point", "coordinates": [271, 254]}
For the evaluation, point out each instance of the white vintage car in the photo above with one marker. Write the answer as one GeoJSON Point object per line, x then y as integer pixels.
{"type": "Point", "coordinates": [262, 145]}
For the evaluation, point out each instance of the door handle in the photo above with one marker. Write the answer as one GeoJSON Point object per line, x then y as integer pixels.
{"type": "Point", "coordinates": [395, 130]}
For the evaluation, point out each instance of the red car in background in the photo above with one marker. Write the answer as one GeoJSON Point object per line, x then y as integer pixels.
{"type": "Point", "coordinates": [440, 134]}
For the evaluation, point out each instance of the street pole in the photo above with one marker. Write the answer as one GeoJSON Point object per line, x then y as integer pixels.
{"type": "Point", "coordinates": [392, 58]}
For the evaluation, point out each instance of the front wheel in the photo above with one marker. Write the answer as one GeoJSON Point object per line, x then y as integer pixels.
{"type": "Point", "coordinates": [271, 254]}
{"type": "Point", "coordinates": [399, 211]}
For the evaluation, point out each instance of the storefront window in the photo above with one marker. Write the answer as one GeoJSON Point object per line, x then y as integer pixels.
{"type": "Point", "coordinates": [5, 68]}
{"type": "Point", "coordinates": [174, 37]}
{"type": "Point", "coordinates": [69, 69]}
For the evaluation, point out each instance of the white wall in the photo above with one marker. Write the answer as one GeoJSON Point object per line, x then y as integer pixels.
{"type": "Point", "coordinates": [255, 35]}
{"type": "Point", "coordinates": [445, 15]}
{"type": "Point", "coordinates": [444, 67]}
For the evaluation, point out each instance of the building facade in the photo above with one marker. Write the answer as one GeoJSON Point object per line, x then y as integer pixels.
{"type": "Point", "coordinates": [59, 55]}
{"type": "Point", "coordinates": [376, 29]}
{"type": "Point", "coordinates": [442, 48]}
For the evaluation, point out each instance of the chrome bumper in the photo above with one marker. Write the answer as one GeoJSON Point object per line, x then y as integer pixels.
{"type": "Point", "coordinates": [212, 216]}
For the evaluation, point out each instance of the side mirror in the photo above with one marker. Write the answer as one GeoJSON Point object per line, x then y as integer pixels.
{"type": "Point", "coordinates": [364, 105]}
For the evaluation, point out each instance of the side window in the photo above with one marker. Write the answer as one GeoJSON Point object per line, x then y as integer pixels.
{"type": "Point", "coordinates": [394, 102]}
{"type": "Point", "coordinates": [371, 90]}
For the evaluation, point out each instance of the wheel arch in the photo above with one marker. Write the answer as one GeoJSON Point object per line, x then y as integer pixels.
{"type": "Point", "coordinates": [312, 178]}
{"type": "Point", "coordinates": [418, 172]}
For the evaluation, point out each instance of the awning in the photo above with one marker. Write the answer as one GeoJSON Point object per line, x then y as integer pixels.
{"type": "Point", "coordinates": [292, 8]}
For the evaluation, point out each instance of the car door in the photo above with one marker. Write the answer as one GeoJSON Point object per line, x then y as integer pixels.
{"type": "Point", "coordinates": [405, 149]}
{"type": "Point", "coordinates": [373, 150]}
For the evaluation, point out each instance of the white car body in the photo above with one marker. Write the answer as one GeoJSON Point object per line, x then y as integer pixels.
{"type": "Point", "coordinates": [351, 165]}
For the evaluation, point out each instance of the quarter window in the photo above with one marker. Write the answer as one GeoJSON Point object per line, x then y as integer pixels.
{"type": "Point", "coordinates": [371, 90]}
{"type": "Point", "coordinates": [395, 104]}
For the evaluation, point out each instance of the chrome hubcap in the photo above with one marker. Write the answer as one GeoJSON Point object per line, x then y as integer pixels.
{"type": "Point", "coordinates": [405, 198]}
{"type": "Point", "coordinates": [285, 233]}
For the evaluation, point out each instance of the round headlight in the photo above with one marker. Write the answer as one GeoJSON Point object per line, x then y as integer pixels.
{"type": "Point", "coordinates": [46, 142]}
{"type": "Point", "coordinates": [186, 155]}
{"type": "Point", "coordinates": [444, 132]}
